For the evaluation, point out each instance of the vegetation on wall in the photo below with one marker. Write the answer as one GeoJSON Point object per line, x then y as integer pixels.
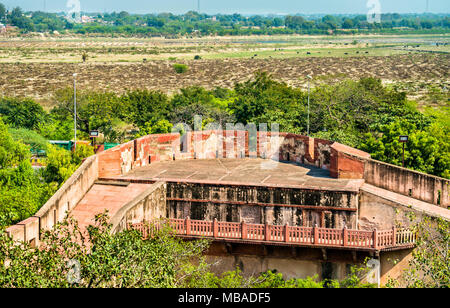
{"type": "Point", "coordinates": [70, 257]}
{"type": "Point", "coordinates": [429, 266]}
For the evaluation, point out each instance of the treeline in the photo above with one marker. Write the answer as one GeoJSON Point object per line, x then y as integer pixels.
{"type": "Point", "coordinates": [193, 23]}
{"type": "Point", "coordinates": [363, 114]}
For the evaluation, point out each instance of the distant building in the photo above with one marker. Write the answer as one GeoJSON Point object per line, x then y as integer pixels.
{"type": "Point", "coordinates": [87, 19]}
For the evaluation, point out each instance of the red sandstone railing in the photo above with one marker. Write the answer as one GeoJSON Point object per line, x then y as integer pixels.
{"type": "Point", "coordinates": [394, 238]}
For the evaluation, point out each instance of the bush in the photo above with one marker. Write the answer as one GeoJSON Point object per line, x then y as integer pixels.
{"type": "Point", "coordinates": [197, 57]}
{"type": "Point", "coordinates": [180, 68]}
{"type": "Point", "coordinates": [29, 137]}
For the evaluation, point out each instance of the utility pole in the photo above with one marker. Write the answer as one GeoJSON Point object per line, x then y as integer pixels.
{"type": "Point", "coordinates": [309, 94]}
{"type": "Point", "coordinates": [75, 107]}
{"type": "Point", "coordinates": [198, 6]}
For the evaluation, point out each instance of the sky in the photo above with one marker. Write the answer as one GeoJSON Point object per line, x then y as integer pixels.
{"type": "Point", "coordinates": [236, 6]}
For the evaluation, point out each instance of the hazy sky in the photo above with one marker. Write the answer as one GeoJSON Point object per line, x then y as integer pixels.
{"type": "Point", "coordinates": [236, 6]}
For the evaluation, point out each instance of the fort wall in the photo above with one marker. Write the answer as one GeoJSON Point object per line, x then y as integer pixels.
{"type": "Point", "coordinates": [263, 205]}
{"type": "Point", "coordinates": [407, 182]}
{"type": "Point", "coordinates": [364, 209]}
{"type": "Point", "coordinates": [148, 206]}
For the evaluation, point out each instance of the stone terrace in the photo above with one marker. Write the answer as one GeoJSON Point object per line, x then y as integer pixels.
{"type": "Point", "coordinates": [247, 171]}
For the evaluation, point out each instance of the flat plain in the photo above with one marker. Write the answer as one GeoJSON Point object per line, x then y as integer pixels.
{"type": "Point", "coordinates": [37, 67]}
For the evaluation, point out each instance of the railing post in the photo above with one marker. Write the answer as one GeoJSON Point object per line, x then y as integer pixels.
{"type": "Point", "coordinates": [286, 233]}
{"type": "Point", "coordinates": [243, 230]}
{"type": "Point", "coordinates": [188, 226]}
{"type": "Point", "coordinates": [394, 236]}
{"type": "Point", "coordinates": [316, 234]}
{"type": "Point", "coordinates": [267, 233]}
{"type": "Point", "coordinates": [375, 239]}
{"type": "Point", "coordinates": [215, 228]}
{"type": "Point", "coordinates": [345, 237]}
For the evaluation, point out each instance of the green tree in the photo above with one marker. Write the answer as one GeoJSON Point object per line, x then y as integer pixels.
{"type": "Point", "coordinates": [264, 100]}
{"type": "Point", "coordinates": [180, 68]}
{"type": "Point", "coordinates": [120, 260]}
{"type": "Point", "coordinates": [429, 266]}
{"type": "Point", "coordinates": [2, 12]}
{"type": "Point", "coordinates": [95, 110]}
{"type": "Point", "coordinates": [425, 152]}
{"type": "Point", "coordinates": [145, 106]}
{"type": "Point", "coordinates": [22, 113]}
{"type": "Point", "coordinates": [59, 165]}
{"type": "Point", "coordinates": [30, 138]}
{"type": "Point", "coordinates": [21, 190]}
{"type": "Point", "coordinates": [19, 20]}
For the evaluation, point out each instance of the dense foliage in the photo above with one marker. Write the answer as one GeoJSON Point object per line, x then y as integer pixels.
{"type": "Point", "coordinates": [429, 266]}
{"type": "Point", "coordinates": [197, 24]}
{"type": "Point", "coordinates": [23, 190]}
{"type": "Point", "coordinates": [95, 258]}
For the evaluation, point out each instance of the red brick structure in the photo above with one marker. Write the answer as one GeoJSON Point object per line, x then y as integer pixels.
{"type": "Point", "coordinates": [292, 202]}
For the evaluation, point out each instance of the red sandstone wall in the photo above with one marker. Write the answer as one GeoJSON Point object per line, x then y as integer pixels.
{"type": "Point", "coordinates": [407, 182]}
{"type": "Point", "coordinates": [344, 165]}
{"type": "Point", "coordinates": [342, 161]}
{"type": "Point", "coordinates": [231, 144]}
{"type": "Point", "coordinates": [155, 148]}
{"type": "Point", "coordinates": [322, 153]}
{"type": "Point", "coordinates": [116, 161]}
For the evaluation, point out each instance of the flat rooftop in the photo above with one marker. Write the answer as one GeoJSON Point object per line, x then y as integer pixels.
{"type": "Point", "coordinates": [248, 171]}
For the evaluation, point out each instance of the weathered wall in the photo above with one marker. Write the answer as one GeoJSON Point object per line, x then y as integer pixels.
{"type": "Point", "coordinates": [247, 203]}
{"type": "Point", "coordinates": [232, 144]}
{"type": "Point", "coordinates": [67, 197]}
{"type": "Point", "coordinates": [346, 162]}
{"type": "Point", "coordinates": [375, 212]}
{"type": "Point", "coordinates": [260, 205]}
{"type": "Point", "coordinates": [407, 182]}
{"type": "Point", "coordinates": [148, 206]}
{"type": "Point", "coordinates": [393, 264]}
{"type": "Point", "coordinates": [116, 161]}
{"type": "Point", "coordinates": [154, 148]}
{"type": "Point", "coordinates": [292, 262]}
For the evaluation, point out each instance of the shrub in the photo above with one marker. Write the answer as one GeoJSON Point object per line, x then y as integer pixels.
{"type": "Point", "coordinates": [180, 68]}
{"type": "Point", "coordinates": [29, 137]}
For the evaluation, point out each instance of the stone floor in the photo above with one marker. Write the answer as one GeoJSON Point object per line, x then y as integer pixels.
{"type": "Point", "coordinates": [105, 197]}
{"type": "Point", "coordinates": [242, 172]}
